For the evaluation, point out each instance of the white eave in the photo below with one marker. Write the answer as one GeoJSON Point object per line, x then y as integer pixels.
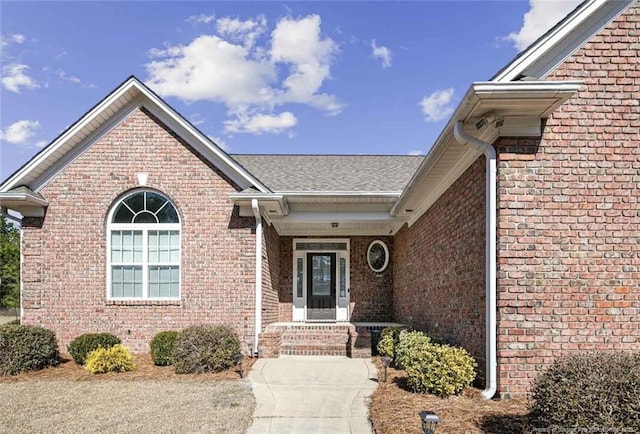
{"type": "Point", "coordinates": [520, 105]}
{"type": "Point", "coordinates": [554, 47]}
{"type": "Point", "coordinates": [25, 201]}
{"type": "Point", "coordinates": [129, 96]}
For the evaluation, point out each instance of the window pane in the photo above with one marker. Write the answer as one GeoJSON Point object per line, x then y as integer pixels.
{"type": "Point", "coordinates": [136, 202]}
{"type": "Point", "coordinates": [122, 215]}
{"type": "Point", "coordinates": [321, 281]}
{"type": "Point", "coordinates": [126, 281]}
{"type": "Point", "coordinates": [145, 217]}
{"type": "Point", "coordinates": [116, 246]}
{"type": "Point", "coordinates": [164, 281]}
{"type": "Point", "coordinates": [343, 277]}
{"type": "Point", "coordinates": [168, 214]}
{"type": "Point", "coordinates": [299, 277]}
{"type": "Point", "coordinates": [154, 202]}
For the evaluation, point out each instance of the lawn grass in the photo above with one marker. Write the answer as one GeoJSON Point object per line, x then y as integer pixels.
{"type": "Point", "coordinates": [151, 399]}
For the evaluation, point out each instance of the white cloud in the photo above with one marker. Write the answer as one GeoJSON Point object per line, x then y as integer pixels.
{"type": "Point", "coordinates": [437, 106]}
{"type": "Point", "coordinates": [249, 73]}
{"type": "Point", "coordinates": [40, 144]}
{"type": "Point", "coordinates": [541, 16]}
{"type": "Point", "coordinates": [383, 53]}
{"type": "Point", "coordinates": [15, 38]}
{"type": "Point", "coordinates": [201, 19]}
{"type": "Point", "coordinates": [68, 77]}
{"type": "Point", "coordinates": [262, 123]}
{"type": "Point", "coordinates": [415, 152]}
{"type": "Point", "coordinates": [299, 44]}
{"type": "Point", "coordinates": [245, 32]}
{"type": "Point", "coordinates": [14, 77]}
{"type": "Point", "coordinates": [20, 132]}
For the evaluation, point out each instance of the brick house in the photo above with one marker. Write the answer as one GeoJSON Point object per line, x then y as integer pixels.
{"type": "Point", "coordinates": [517, 236]}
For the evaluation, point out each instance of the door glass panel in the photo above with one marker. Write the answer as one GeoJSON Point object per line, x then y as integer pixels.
{"type": "Point", "coordinates": [343, 277]}
{"type": "Point", "coordinates": [299, 277]}
{"type": "Point", "coordinates": [321, 283]}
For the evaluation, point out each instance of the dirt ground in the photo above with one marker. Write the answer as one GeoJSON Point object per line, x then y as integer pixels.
{"type": "Point", "coordinates": [150, 399]}
{"type": "Point", "coordinates": [394, 410]}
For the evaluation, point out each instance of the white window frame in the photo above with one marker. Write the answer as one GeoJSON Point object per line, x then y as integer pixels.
{"type": "Point", "coordinates": [145, 228]}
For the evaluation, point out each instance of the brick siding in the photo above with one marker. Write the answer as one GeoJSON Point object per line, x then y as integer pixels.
{"type": "Point", "coordinates": [569, 217]}
{"type": "Point", "coordinates": [439, 266]}
{"type": "Point", "coordinates": [65, 252]}
{"type": "Point", "coordinates": [270, 275]}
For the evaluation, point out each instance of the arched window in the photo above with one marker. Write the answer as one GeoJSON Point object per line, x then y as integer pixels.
{"type": "Point", "coordinates": [143, 248]}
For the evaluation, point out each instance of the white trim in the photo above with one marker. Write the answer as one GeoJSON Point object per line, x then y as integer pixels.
{"type": "Point", "coordinates": [258, 276]}
{"type": "Point", "coordinates": [386, 255]}
{"type": "Point", "coordinates": [136, 95]}
{"type": "Point", "coordinates": [299, 314]}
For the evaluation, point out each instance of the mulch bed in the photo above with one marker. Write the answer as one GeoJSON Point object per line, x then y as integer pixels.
{"type": "Point", "coordinates": [145, 369]}
{"type": "Point", "coordinates": [394, 410]}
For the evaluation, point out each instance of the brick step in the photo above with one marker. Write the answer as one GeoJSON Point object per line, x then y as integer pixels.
{"type": "Point", "coordinates": [313, 350]}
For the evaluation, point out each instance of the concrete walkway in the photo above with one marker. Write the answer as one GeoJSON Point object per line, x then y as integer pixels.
{"type": "Point", "coordinates": [312, 394]}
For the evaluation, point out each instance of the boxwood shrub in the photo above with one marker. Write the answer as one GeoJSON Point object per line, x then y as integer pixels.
{"type": "Point", "coordinates": [205, 349]}
{"type": "Point", "coordinates": [113, 359]}
{"type": "Point", "coordinates": [26, 348]}
{"type": "Point", "coordinates": [389, 338]}
{"type": "Point", "coordinates": [439, 369]}
{"type": "Point", "coordinates": [162, 347]}
{"type": "Point", "coordinates": [596, 392]}
{"type": "Point", "coordinates": [81, 346]}
{"type": "Point", "coordinates": [408, 347]}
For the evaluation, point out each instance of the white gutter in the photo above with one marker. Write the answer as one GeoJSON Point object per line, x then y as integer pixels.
{"type": "Point", "coordinates": [258, 323]}
{"type": "Point", "coordinates": [490, 285]}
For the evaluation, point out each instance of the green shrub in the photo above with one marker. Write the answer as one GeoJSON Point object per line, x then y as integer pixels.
{"type": "Point", "coordinates": [598, 392]}
{"type": "Point", "coordinates": [81, 346]}
{"type": "Point", "coordinates": [410, 343]}
{"type": "Point", "coordinates": [13, 322]}
{"type": "Point", "coordinates": [439, 369]}
{"type": "Point", "coordinates": [389, 338]}
{"type": "Point", "coordinates": [205, 349]}
{"type": "Point", "coordinates": [162, 347]}
{"type": "Point", "coordinates": [26, 348]}
{"type": "Point", "coordinates": [113, 359]}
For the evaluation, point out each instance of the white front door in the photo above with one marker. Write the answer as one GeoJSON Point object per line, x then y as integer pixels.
{"type": "Point", "coordinates": [320, 279]}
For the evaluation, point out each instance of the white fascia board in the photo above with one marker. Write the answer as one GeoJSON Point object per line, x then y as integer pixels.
{"type": "Point", "coordinates": [553, 48]}
{"type": "Point", "coordinates": [340, 195]}
{"type": "Point", "coordinates": [322, 217]}
{"type": "Point", "coordinates": [161, 110]}
{"type": "Point", "coordinates": [10, 197]}
{"type": "Point", "coordinates": [50, 150]}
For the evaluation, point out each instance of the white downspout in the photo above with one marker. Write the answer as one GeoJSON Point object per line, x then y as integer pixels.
{"type": "Point", "coordinates": [490, 285]}
{"type": "Point", "coordinates": [258, 323]}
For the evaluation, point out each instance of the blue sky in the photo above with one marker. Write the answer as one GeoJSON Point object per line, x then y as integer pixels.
{"type": "Point", "coordinates": [261, 77]}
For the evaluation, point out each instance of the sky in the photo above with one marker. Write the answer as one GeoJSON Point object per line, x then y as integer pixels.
{"type": "Point", "coordinates": [296, 77]}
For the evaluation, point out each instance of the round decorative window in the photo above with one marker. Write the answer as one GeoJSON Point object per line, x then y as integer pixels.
{"type": "Point", "coordinates": [378, 256]}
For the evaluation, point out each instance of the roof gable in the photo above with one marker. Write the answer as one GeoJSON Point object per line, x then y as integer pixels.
{"type": "Point", "coordinates": [116, 106]}
{"type": "Point", "coordinates": [551, 49]}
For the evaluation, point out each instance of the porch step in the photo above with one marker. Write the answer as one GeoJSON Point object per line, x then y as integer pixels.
{"type": "Point", "coordinates": [335, 339]}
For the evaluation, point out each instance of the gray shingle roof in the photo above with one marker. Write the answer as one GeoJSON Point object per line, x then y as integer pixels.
{"type": "Point", "coordinates": [357, 173]}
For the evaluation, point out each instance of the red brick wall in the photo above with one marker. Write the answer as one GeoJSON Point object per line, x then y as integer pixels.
{"type": "Point", "coordinates": [569, 217]}
{"type": "Point", "coordinates": [371, 294]}
{"type": "Point", "coordinates": [439, 266]}
{"type": "Point", "coordinates": [270, 275]}
{"type": "Point", "coordinates": [64, 269]}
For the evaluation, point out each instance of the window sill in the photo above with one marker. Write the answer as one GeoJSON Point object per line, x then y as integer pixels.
{"type": "Point", "coordinates": [143, 302]}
